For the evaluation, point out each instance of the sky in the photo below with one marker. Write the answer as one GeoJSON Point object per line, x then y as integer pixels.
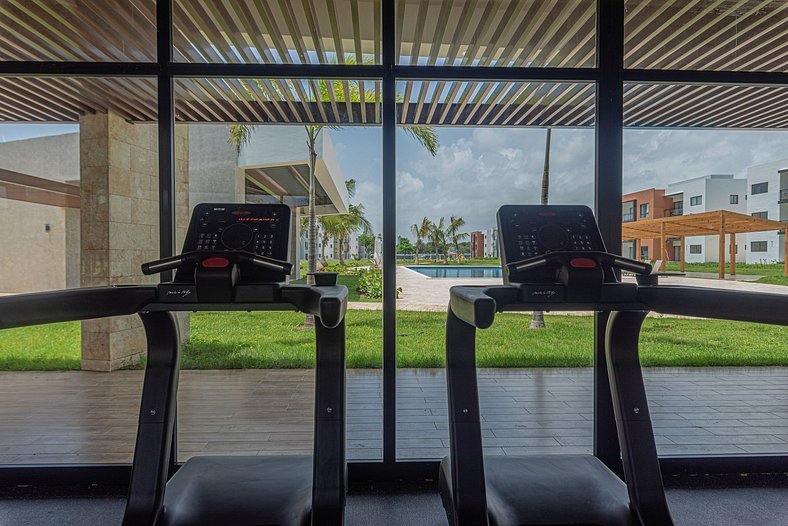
{"type": "Point", "coordinates": [476, 170]}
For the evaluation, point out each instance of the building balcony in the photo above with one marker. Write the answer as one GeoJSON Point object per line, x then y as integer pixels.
{"type": "Point", "coordinates": [628, 217]}
{"type": "Point", "coordinates": [783, 197]}
{"type": "Point", "coordinates": [675, 211]}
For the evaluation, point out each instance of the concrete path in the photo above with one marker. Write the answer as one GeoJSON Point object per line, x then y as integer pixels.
{"type": "Point", "coordinates": [421, 293]}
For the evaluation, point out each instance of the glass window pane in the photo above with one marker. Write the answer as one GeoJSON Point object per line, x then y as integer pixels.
{"type": "Point", "coordinates": [79, 206]}
{"type": "Point", "coordinates": [248, 379]}
{"type": "Point", "coordinates": [689, 173]}
{"type": "Point", "coordinates": [503, 33]}
{"type": "Point", "coordinates": [491, 152]}
{"type": "Point", "coordinates": [82, 30]}
{"type": "Point", "coordinates": [250, 31]}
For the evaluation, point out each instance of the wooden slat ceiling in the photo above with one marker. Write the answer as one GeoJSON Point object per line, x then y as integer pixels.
{"type": "Point", "coordinates": [680, 34]}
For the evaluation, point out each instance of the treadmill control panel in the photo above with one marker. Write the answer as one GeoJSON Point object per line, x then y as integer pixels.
{"type": "Point", "coordinates": [528, 231]}
{"type": "Point", "coordinates": [261, 229]}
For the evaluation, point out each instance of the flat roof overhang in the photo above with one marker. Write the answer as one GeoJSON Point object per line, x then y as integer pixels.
{"type": "Point", "coordinates": [288, 183]}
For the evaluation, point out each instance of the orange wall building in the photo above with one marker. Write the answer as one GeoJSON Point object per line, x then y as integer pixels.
{"type": "Point", "coordinates": [648, 204]}
{"type": "Point", "coordinates": [477, 244]}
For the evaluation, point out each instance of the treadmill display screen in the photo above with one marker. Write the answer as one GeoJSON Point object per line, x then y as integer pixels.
{"type": "Point", "coordinates": [527, 231]}
{"type": "Point", "coordinates": [261, 229]}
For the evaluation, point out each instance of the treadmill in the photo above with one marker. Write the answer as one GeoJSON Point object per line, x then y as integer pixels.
{"type": "Point", "coordinates": [553, 258]}
{"type": "Point", "coordinates": [233, 259]}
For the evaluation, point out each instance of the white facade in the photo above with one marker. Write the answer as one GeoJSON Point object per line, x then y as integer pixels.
{"type": "Point", "coordinates": [491, 243]}
{"type": "Point", "coordinates": [705, 194]}
{"type": "Point", "coordinates": [770, 181]}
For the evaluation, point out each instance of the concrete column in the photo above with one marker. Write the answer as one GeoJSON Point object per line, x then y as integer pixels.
{"type": "Point", "coordinates": [119, 224]}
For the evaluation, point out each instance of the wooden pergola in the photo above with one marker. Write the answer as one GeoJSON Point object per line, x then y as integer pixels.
{"type": "Point", "coordinates": [716, 223]}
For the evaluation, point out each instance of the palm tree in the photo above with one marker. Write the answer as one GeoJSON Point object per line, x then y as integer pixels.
{"type": "Point", "coordinates": [452, 231]}
{"type": "Point", "coordinates": [347, 224]}
{"type": "Point", "coordinates": [420, 232]}
{"type": "Point", "coordinates": [240, 134]}
{"type": "Point", "coordinates": [438, 236]}
{"type": "Point", "coordinates": [537, 321]}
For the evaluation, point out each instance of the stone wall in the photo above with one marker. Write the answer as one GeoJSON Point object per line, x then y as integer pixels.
{"type": "Point", "coordinates": [119, 224]}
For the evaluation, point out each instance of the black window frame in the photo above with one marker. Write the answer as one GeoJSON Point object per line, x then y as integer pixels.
{"type": "Point", "coordinates": [696, 249]}
{"type": "Point", "coordinates": [762, 188]}
{"type": "Point", "coordinates": [696, 200]}
{"type": "Point", "coordinates": [734, 199]}
{"type": "Point", "coordinates": [761, 215]}
{"type": "Point", "coordinates": [609, 76]}
{"type": "Point", "coordinates": [759, 244]}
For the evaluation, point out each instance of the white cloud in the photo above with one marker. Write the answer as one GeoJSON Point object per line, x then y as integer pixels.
{"type": "Point", "coordinates": [476, 171]}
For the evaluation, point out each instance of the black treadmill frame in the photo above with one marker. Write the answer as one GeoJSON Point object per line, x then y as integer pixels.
{"type": "Point", "coordinates": [155, 451]}
{"type": "Point", "coordinates": [475, 307]}
{"type": "Point", "coordinates": [609, 76]}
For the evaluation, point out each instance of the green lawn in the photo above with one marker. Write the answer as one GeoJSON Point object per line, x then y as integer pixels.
{"type": "Point", "coordinates": [277, 340]}
{"type": "Point", "coordinates": [774, 273]}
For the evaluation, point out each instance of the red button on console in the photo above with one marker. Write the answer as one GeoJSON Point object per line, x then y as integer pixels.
{"type": "Point", "coordinates": [582, 263]}
{"type": "Point", "coordinates": [215, 262]}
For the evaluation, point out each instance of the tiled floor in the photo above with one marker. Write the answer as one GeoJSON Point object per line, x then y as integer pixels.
{"type": "Point", "coordinates": [49, 417]}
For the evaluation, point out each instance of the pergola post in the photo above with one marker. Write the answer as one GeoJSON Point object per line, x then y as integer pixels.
{"type": "Point", "coordinates": [722, 246]}
{"type": "Point", "coordinates": [733, 253]}
{"type": "Point", "coordinates": [785, 256]}
{"type": "Point", "coordinates": [662, 253]}
{"type": "Point", "coordinates": [681, 254]}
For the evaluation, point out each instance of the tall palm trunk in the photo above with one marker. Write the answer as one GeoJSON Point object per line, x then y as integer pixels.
{"type": "Point", "coordinates": [341, 250]}
{"type": "Point", "coordinates": [418, 242]}
{"type": "Point", "coordinates": [311, 134]}
{"type": "Point", "coordinates": [537, 321]}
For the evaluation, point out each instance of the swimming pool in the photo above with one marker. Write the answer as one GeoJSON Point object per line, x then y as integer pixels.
{"type": "Point", "coordinates": [459, 272]}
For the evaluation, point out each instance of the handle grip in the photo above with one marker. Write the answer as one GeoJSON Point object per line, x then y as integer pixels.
{"type": "Point", "coordinates": [161, 265]}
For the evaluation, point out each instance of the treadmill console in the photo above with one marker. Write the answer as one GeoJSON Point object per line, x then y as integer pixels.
{"type": "Point", "coordinates": [262, 230]}
{"type": "Point", "coordinates": [529, 231]}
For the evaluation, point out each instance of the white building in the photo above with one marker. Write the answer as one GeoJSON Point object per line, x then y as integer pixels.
{"type": "Point", "coordinates": [491, 243]}
{"type": "Point", "coordinates": [705, 194]}
{"type": "Point", "coordinates": [767, 197]}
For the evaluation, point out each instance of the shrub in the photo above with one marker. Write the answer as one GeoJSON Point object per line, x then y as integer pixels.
{"type": "Point", "coordinates": [370, 284]}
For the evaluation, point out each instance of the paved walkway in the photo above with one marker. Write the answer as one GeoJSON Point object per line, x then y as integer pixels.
{"type": "Point", "coordinates": [421, 293]}
{"type": "Point", "coordinates": [71, 417]}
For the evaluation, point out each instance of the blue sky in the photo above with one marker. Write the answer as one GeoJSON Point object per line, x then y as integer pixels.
{"type": "Point", "coordinates": [478, 169]}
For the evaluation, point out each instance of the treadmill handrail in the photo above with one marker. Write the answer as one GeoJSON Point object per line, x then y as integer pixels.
{"type": "Point", "coordinates": [477, 305]}
{"type": "Point", "coordinates": [73, 304]}
{"type": "Point", "coordinates": [704, 302]}
{"type": "Point", "coordinates": [328, 303]}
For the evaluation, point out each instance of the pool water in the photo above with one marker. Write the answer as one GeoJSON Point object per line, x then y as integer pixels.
{"type": "Point", "coordinates": [459, 272]}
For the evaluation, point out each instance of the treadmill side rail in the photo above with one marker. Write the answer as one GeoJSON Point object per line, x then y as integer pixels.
{"type": "Point", "coordinates": [329, 471]}
{"type": "Point", "coordinates": [153, 447]}
{"type": "Point", "coordinates": [633, 422]}
{"type": "Point", "coordinates": [467, 505]}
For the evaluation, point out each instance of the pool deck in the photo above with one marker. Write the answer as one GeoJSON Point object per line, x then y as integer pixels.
{"type": "Point", "coordinates": [84, 417]}
{"type": "Point", "coordinates": [421, 293]}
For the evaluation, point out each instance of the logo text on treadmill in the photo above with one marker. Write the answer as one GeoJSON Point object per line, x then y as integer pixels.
{"type": "Point", "coordinates": [548, 293]}
{"type": "Point", "coordinates": [181, 293]}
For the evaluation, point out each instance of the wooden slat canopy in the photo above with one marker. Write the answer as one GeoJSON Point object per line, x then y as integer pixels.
{"type": "Point", "coordinates": [736, 35]}
{"type": "Point", "coordinates": [716, 223]}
